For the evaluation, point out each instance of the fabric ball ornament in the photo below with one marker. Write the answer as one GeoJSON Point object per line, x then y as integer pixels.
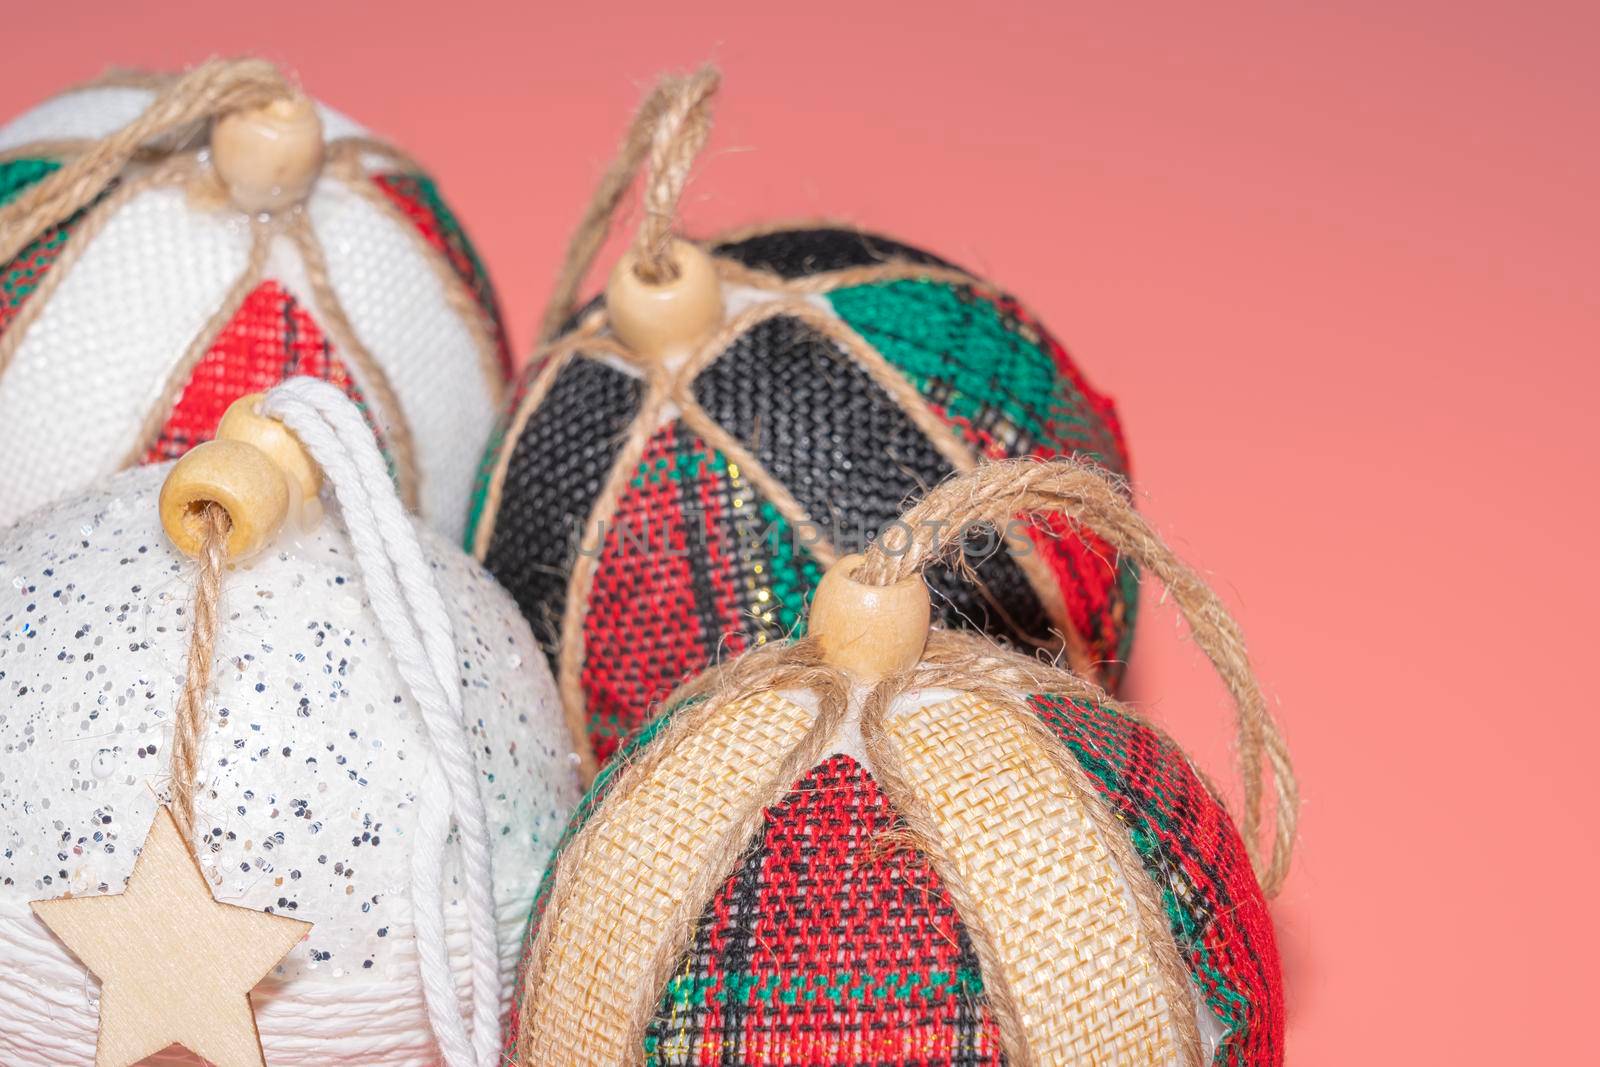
{"type": "Point", "coordinates": [883, 845]}
{"type": "Point", "coordinates": [667, 486]}
{"type": "Point", "coordinates": [170, 243]}
{"type": "Point", "coordinates": [314, 764]}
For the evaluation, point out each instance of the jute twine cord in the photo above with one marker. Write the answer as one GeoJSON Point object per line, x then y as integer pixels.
{"type": "Point", "coordinates": [667, 132]}
{"type": "Point", "coordinates": [156, 417]}
{"type": "Point", "coordinates": [569, 663]}
{"type": "Point", "coordinates": [669, 129]}
{"type": "Point", "coordinates": [1028, 1035]}
{"type": "Point", "coordinates": [995, 493]}
{"type": "Point", "coordinates": [345, 163]}
{"type": "Point", "coordinates": [906, 397]}
{"type": "Point", "coordinates": [677, 386]}
{"type": "Point", "coordinates": [213, 88]}
{"type": "Point", "coordinates": [397, 430]}
{"type": "Point", "coordinates": [189, 722]}
{"type": "Point", "coordinates": [602, 1020]}
{"type": "Point", "coordinates": [832, 704]}
{"type": "Point", "coordinates": [549, 362]}
{"type": "Point", "coordinates": [164, 135]}
{"type": "Point", "coordinates": [992, 681]}
{"type": "Point", "coordinates": [82, 236]}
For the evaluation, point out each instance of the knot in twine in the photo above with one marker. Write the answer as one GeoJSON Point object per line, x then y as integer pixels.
{"type": "Point", "coordinates": [669, 130]}
{"type": "Point", "coordinates": [998, 493]}
{"type": "Point", "coordinates": [213, 89]}
{"type": "Point", "coordinates": [743, 762]}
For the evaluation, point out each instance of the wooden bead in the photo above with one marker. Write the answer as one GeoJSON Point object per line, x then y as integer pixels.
{"type": "Point", "coordinates": [243, 421]}
{"type": "Point", "coordinates": [252, 489]}
{"type": "Point", "coordinates": [869, 631]}
{"type": "Point", "coordinates": [664, 322]}
{"type": "Point", "coordinates": [268, 157]}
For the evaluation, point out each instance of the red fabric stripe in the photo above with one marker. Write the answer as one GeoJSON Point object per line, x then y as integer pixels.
{"type": "Point", "coordinates": [271, 337]}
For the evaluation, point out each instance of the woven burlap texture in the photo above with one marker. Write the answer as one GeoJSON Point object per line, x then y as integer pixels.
{"type": "Point", "coordinates": [1078, 964]}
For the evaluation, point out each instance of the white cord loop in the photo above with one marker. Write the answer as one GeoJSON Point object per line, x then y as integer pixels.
{"type": "Point", "coordinates": [412, 616]}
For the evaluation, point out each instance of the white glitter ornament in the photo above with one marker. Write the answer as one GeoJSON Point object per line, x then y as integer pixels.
{"type": "Point", "coordinates": [311, 767]}
{"type": "Point", "coordinates": [228, 233]}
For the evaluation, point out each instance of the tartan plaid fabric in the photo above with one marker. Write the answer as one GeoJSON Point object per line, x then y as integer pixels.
{"type": "Point", "coordinates": [1192, 851]}
{"type": "Point", "coordinates": [724, 573]}
{"type": "Point", "coordinates": [417, 197]}
{"type": "Point", "coordinates": [22, 275]}
{"type": "Point", "coordinates": [557, 465]}
{"type": "Point", "coordinates": [833, 943]}
{"type": "Point", "coordinates": [608, 776]}
{"type": "Point", "coordinates": [17, 174]}
{"type": "Point", "coordinates": [839, 443]}
{"type": "Point", "coordinates": [851, 456]}
{"type": "Point", "coordinates": [1009, 388]}
{"type": "Point", "coordinates": [269, 338]}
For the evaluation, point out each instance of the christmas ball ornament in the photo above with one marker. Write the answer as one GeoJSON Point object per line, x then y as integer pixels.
{"type": "Point", "coordinates": [880, 844]}
{"type": "Point", "coordinates": [338, 712]}
{"type": "Point", "coordinates": [171, 243]}
{"type": "Point", "coordinates": [690, 451]}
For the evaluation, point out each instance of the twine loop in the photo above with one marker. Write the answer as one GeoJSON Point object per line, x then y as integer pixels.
{"type": "Point", "coordinates": [669, 130]}
{"type": "Point", "coordinates": [998, 493]}
{"type": "Point", "coordinates": [210, 90]}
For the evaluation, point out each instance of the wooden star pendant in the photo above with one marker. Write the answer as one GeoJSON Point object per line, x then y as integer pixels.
{"type": "Point", "coordinates": [175, 965]}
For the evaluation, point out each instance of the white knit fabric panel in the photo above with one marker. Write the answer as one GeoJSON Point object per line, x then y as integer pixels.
{"type": "Point", "coordinates": [397, 305]}
{"type": "Point", "coordinates": [84, 113]}
{"type": "Point", "coordinates": [97, 358]}
{"type": "Point", "coordinates": [311, 765]}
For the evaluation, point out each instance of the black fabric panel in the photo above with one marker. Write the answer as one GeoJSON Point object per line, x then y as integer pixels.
{"type": "Point", "coordinates": [793, 253]}
{"type": "Point", "coordinates": [852, 458]}
{"type": "Point", "coordinates": [557, 468]}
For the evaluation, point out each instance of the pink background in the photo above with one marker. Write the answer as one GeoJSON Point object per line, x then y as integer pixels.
{"type": "Point", "coordinates": [1337, 266]}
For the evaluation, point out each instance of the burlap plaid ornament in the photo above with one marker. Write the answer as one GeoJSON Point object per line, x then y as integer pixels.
{"type": "Point", "coordinates": [881, 845]}
{"type": "Point", "coordinates": [656, 510]}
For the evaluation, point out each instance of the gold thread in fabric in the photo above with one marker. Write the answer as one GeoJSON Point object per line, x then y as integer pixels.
{"type": "Point", "coordinates": [374, 382]}
{"type": "Point", "coordinates": [569, 660]}
{"type": "Point", "coordinates": [909, 399]}
{"type": "Point", "coordinates": [711, 432]}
